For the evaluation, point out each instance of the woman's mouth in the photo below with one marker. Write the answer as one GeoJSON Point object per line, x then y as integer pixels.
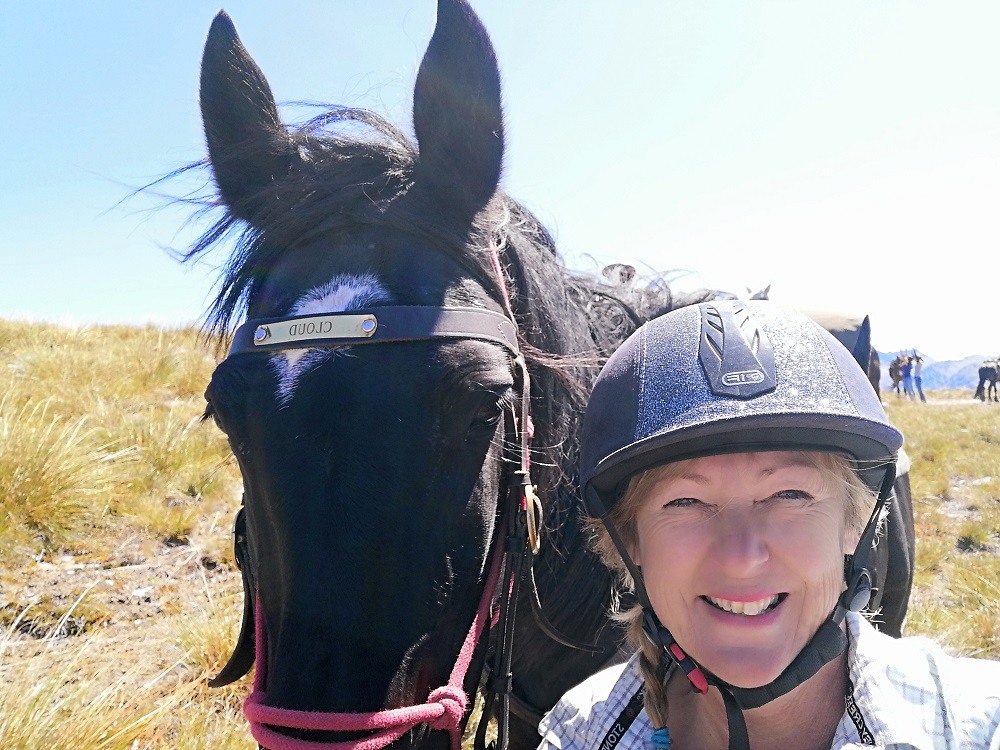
{"type": "Point", "coordinates": [747, 609]}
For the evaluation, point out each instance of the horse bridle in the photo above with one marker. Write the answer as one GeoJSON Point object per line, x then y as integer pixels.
{"type": "Point", "coordinates": [447, 705]}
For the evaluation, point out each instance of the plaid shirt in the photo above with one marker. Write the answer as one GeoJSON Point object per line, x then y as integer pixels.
{"type": "Point", "coordinates": [908, 695]}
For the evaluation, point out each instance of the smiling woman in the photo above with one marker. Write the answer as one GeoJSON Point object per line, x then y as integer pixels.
{"type": "Point", "coordinates": [740, 465]}
{"type": "Point", "coordinates": [754, 543]}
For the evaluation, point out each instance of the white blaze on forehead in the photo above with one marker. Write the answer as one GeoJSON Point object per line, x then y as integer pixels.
{"type": "Point", "coordinates": [339, 294]}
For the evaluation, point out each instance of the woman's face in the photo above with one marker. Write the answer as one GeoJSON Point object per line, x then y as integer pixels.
{"type": "Point", "coordinates": [743, 558]}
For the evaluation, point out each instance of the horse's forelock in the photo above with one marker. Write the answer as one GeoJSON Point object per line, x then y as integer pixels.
{"type": "Point", "coordinates": [339, 294]}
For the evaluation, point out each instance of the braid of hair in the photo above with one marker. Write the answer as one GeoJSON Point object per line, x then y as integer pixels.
{"type": "Point", "coordinates": [653, 668]}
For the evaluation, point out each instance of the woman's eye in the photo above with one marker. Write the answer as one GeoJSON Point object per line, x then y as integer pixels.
{"type": "Point", "coordinates": [683, 502]}
{"type": "Point", "coordinates": [795, 495]}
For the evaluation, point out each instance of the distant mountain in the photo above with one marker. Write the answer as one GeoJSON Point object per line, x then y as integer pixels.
{"type": "Point", "coordinates": [963, 373]}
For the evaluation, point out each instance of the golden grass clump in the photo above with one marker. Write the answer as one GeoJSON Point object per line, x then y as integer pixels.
{"type": "Point", "coordinates": [77, 698]}
{"type": "Point", "coordinates": [118, 590]}
{"type": "Point", "coordinates": [56, 477]}
{"type": "Point", "coordinates": [106, 692]}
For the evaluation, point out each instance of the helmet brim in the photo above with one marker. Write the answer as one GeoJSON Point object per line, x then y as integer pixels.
{"type": "Point", "coordinates": [871, 446]}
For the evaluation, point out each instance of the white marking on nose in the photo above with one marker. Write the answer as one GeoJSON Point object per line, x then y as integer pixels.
{"type": "Point", "coordinates": [339, 294]}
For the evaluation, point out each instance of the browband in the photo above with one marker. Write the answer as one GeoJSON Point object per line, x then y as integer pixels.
{"type": "Point", "coordinates": [372, 326]}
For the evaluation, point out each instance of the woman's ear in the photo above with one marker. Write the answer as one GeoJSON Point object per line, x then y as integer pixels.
{"type": "Point", "coordinates": [633, 553]}
{"type": "Point", "coordinates": [851, 538]}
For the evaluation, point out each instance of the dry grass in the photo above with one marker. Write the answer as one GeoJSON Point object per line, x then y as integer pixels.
{"type": "Point", "coordinates": [51, 696]}
{"type": "Point", "coordinates": [118, 592]}
{"type": "Point", "coordinates": [954, 443]}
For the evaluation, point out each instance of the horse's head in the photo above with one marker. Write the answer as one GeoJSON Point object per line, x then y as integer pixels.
{"type": "Point", "coordinates": [371, 472]}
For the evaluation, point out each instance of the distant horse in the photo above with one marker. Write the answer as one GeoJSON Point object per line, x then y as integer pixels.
{"type": "Point", "coordinates": [896, 373]}
{"type": "Point", "coordinates": [853, 330]}
{"type": "Point", "coordinates": [987, 388]}
{"type": "Point", "coordinates": [409, 330]}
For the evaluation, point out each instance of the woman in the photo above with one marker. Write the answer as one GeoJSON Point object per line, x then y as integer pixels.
{"type": "Point", "coordinates": [739, 462]}
{"type": "Point", "coordinates": [908, 377]}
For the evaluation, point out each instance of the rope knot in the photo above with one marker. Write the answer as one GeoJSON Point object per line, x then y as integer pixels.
{"type": "Point", "coordinates": [454, 701]}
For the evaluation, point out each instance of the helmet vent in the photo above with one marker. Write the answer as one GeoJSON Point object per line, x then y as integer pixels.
{"type": "Point", "coordinates": [735, 352]}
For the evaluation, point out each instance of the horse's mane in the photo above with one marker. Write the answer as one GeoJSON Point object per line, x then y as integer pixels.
{"type": "Point", "coordinates": [357, 170]}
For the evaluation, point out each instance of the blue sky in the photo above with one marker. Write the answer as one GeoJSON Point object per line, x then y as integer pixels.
{"type": "Point", "coordinates": [847, 154]}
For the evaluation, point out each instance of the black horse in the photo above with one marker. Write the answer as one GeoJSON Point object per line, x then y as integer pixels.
{"type": "Point", "coordinates": [379, 395]}
{"type": "Point", "coordinates": [898, 554]}
{"type": "Point", "coordinates": [988, 373]}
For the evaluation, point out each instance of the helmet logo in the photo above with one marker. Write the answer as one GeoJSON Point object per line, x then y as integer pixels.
{"type": "Point", "coordinates": [734, 352]}
{"type": "Point", "coordinates": [739, 378]}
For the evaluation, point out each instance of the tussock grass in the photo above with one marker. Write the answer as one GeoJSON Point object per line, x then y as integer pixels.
{"type": "Point", "coordinates": [119, 596]}
{"type": "Point", "coordinates": [954, 443]}
{"type": "Point", "coordinates": [56, 477]}
{"type": "Point", "coordinates": [118, 591]}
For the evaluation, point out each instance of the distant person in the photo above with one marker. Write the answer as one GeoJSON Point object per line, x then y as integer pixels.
{"type": "Point", "coordinates": [918, 366]}
{"type": "Point", "coordinates": [907, 371]}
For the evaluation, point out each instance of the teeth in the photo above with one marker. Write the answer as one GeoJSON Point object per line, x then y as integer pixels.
{"type": "Point", "coordinates": [748, 609]}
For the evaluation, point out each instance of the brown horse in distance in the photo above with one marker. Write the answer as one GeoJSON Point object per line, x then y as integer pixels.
{"type": "Point", "coordinates": [896, 373]}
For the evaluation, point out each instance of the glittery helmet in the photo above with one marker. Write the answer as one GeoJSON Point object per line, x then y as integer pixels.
{"type": "Point", "coordinates": [730, 376]}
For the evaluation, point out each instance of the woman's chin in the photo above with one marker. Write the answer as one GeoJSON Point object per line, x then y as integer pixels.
{"type": "Point", "coordinates": [749, 681]}
{"type": "Point", "coordinates": [748, 668]}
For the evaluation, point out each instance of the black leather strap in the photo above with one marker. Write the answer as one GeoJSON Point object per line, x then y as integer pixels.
{"type": "Point", "coordinates": [243, 654]}
{"type": "Point", "coordinates": [392, 324]}
{"type": "Point", "coordinates": [828, 643]}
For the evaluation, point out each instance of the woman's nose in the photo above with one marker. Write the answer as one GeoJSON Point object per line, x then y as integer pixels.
{"type": "Point", "coordinates": [741, 543]}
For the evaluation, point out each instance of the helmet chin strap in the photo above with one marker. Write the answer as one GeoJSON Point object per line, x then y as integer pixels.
{"type": "Point", "coordinates": [827, 644]}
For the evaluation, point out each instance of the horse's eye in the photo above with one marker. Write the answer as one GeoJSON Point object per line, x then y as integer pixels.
{"type": "Point", "coordinates": [487, 416]}
{"type": "Point", "coordinates": [211, 413]}
{"type": "Point", "coordinates": [489, 413]}
{"type": "Point", "coordinates": [217, 418]}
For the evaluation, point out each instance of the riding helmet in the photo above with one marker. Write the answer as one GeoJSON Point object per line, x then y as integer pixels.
{"type": "Point", "coordinates": [729, 376]}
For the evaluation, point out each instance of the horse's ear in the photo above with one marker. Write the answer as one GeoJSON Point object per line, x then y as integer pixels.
{"type": "Point", "coordinates": [862, 350]}
{"type": "Point", "coordinates": [248, 146]}
{"type": "Point", "coordinates": [457, 114]}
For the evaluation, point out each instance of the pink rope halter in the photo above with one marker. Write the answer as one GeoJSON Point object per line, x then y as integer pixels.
{"type": "Point", "coordinates": [443, 710]}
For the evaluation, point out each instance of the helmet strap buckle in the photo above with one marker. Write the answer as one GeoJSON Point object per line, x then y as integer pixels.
{"type": "Point", "coordinates": [660, 636]}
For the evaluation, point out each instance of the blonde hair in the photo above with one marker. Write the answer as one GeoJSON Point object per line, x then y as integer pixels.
{"type": "Point", "coordinates": [858, 503]}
